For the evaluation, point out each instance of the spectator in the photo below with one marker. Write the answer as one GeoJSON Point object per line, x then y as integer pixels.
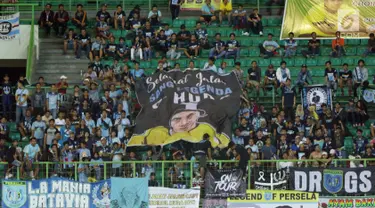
{"type": "Point", "coordinates": [225, 10]}
{"type": "Point", "coordinates": [361, 110]}
{"type": "Point", "coordinates": [254, 76]}
{"type": "Point", "coordinates": [61, 21]}
{"type": "Point", "coordinates": [360, 142]}
{"type": "Point", "coordinates": [70, 41]}
{"type": "Point", "coordinates": [49, 133]}
{"type": "Point", "coordinates": [154, 16]}
{"type": "Point", "coordinates": [137, 73]}
{"type": "Point", "coordinates": [360, 76]}
{"type": "Point", "coordinates": [290, 46]}
{"type": "Point", "coordinates": [210, 65]}
{"type": "Point", "coordinates": [201, 35]}
{"type": "Point", "coordinates": [255, 23]}
{"type": "Point", "coordinates": [370, 45]}
{"type": "Point", "coordinates": [136, 49]}
{"type": "Point", "coordinates": [80, 17]}
{"type": "Point", "coordinates": [37, 130]}
{"type": "Point", "coordinates": [25, 126]}
{"type": "Point", "coordinates": [103, 13]}
{"type": "Point", "coordinates": [7, 93]}
{"type": "Point", "coordinates": [110, 48]}
{"type": "Point", "coordinates": [153, 182]}
{"type": "Point", "coordinates": [172, 47]}
{"type": "Point", "coordinates": [330, 75]}
{"type": "Point", "coordinates": [238, 72]}
{"type": "Point", "coordinates": [174, 6]}
{"type": "Point", "coordinates": [244, 157]}
{"type": "Point", "coordinates": [168, 31]}
{"type": "Point", "coordinates": [191, 66]}
{"type": "Point", "coordinates": [288, 99]}
{"type": "Point", "coordinates": [135, 11]}
{"type": "Point", "coordinates": [345, 79]}
{"type": "Point", "coordinates": [239, 19]}
{"type": "Point", "coordinates": [218, 50]}
{"type": "Point", "coordinates": [208, 13]}
{"type": "Point", "coordinates": [304, 78]}
{"type": "Point", "coordinates": [202, 152]}
{"type": "Point", "coordinates": [62, 85]}
{"type": "Point", "coordinates": [278, 3]}
{"type": "Point", "coordinates": [117, 154]}
{"type": "Point", "coordinates": [161, 40]}
{"type": "Point", "coordinates": [46, 19]}
{"type": "Point", "coordinates": [193, 48]}
{"type": "Point", "coordinates": [352, 115]}
{"type": "Point", "coordinates": [222, 68]}
{"type": "Point", "coordinates": [282, 74]}
{"type": "Point", "coordinates": [122, 50]}
{"type": "Point", "coordinates": [32, 153]}
{"type": "Point", "coordinates": [268, 150]}
{"type": "Point", "coordinates": [183, 37]}
{"type": "Point", "coordinates": [83, 170]}
{"type": "Point", "coordinates": [269, 47]}
{"type": "Point", "coordinates": [83, 42]}
{"type": "Point", "coordinates": [105, 124]}
{"type": "Point", "coordinates": [338, 46]}
{"type": "Point", "coordinates": [313, 47]}
{"type": "Point", "coordinates": [103, 28]}
{"type": "Point", "coordinates": [21, 97]}
{"type": "Point", "coordinates": [119, 17]}
{"type": "Point", "coordinates": [232, 47]}
{"type": "Point", "coordinates": [14, 157]}
{"type": "Point", "coordinates": [270, 77]}
{"type": "Point", "coordinates": [96, 49]}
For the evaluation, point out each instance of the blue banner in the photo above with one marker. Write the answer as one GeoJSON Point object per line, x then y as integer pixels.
{"type": "Point", "coordinates": [129, 193]}
{"type": "Point", "coordinates": [55, 192]}
{"type": "Point", "coordinates": [9, 26]}
{"type": "Point", "coordinates": [316, 95]}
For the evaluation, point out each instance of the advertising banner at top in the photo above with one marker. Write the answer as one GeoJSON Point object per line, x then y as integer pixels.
{"type": "Point", "coordinates": [185, 106]}
{"type": "Point", "coordinates": [197, 5]}
{"type": "Point", "coordinates": [353, 18]}
{"type": "Point", "coordinates": [10, 26]}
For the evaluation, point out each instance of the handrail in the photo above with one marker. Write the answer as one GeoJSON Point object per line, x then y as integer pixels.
{"type": "Point", "coordinates": [30, 53]}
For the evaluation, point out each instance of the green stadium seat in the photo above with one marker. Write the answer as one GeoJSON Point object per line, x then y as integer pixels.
{"type": "Point", "coordinates": [274, 21]}
{"type": "Point", "coordinates": [351, 51]}
{"type": "Point", "coordinates": [298, 61]}
{"type": "Point", "coordinates": [149, 72]}
{"type": "Point", "coordinates": [265, 22]}
{"type": "Point", "coordinates": [257, 41]}
{"type": "Point", "coordinates": [190, 23]}
{"type": "Point", "coordinates": [205, 53]}
{"type": "Point", "coordinates": [211, 33]}
{"type": "Point", "coordinates": [246, 42]}
{"type": "Point", "coordinates": [326, 51]}
{"type": "Point", "coordinates": [244, 52]}
{"type": "Point", "coordinates": [361, 50]}
{"type": "Point", "coordinates": [244, 62]}
{"type": "Point", "coordinates": [277, 32]}
{"type": "Point", "coordinates": [348, 60]}
{"type": "Point", "coordinates": [317, 72]}
{"type": "Point", "coordinates": [311, 62]}
{"type": "Point", "coordinates": [290, 62]}
{"type": "Point", "coordinates": [14, 136]}
{"type": "Point", "coordinates": [12, 126]}
{"type": "Point", "coordinates": [353, 42]}
{"type": "Point", "coordinates": [230, 62]}
{"type": "Point", "coordinates": [254, 51]}
{"type": "Point", "coordinates": [276, 61]}
{"type": "Point", "coordinates": [364, 42]}
{"type": "Point", "coordinates": [178, 23]}
{"type": "Point", "coordinates": [145, 64]}
{"type": "Point", "coordinates": [336, 61]}
{"type": "Point", "coordinates": [370, 61]}
{"type": "Point", "coordinates": [322, 60]}
{"type": "Point", "coordinates": [268, 30]}
{"type": "Point", "coordinates": [183, 62]}
{"type": "Point", "coordinates": [303, 42]}
{"type": "Point", "coordinates": [294, 72]}
{"type": "Point", "coordinates": [264, 62]}
{"type": "Point", "coordinates": [327, 42]}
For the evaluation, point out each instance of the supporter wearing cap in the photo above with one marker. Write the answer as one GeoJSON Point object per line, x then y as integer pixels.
{"type": "Point", "coordinates": [304, 78]}
{"type": "Point", "coordinates": [62, 85]}
{"type": "Point", "coordinates": [103, 13]}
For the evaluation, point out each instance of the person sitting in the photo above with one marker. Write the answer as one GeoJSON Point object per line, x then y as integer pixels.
{"type": "Point", "coordinates": [270, 77]}
{"type": "Point", "coordinates": [254, 76]}
{"type": "Point", "coordinates": [255, 23]}
{"type": "Point", "coordinates": [122, 50]}
{"type": "Point", "coordinates": [313, 47]}
{"type": "Point", "coordinates": [233, 47]}
{"type": "Point", "coordinates": [70, 41]}
{"type": "Point", "coordinates": [304, 78]}
{"type": "Point", "coordinates": [345, 79]}
{"type": "Point", "coordinates": [330, 75]}
{"type": "Point", "coordinates": [80, 17]}
{"type": "Point", "coordinates": [96, 49]}
{"type": "Point", "coordinates": [119, 17]}
{"type": "Point", "coordinates": [103, 13]}
{"type": "Point", "coordinates": [282, 74]}
{"type": "Point", "coordinates": [102, 28]}
{"type": "Point", "coordinates": [154, 16]}
{"type": "Point", "coordinates": [172, 45]}
{"type": "Point", "coordinates": [290, 46]}
{"type": "Point", "coordinates": [338, 45]}
{"type": "Point", "coordinates": [136, 49]}
{"type": "Point", "coordinates": [110, 48]}
{"type": "Point", "coordinates": [210, 65]}
{"type": "Point", "coordinates": [239, 18]}
{"type": "Point", "coordinates": [183, 37]}
{"type": "Point", "coordinates": [202, 36]}
{"type": "Point", "coordinates": [208, 13]}
{"type": "Point", "coordinates": [218, 50]}
{"type": "Point", "coordinates": [46, 19]}
{"type": "Point", "coordinates": [370, 45]}
{"type": "Point", "coordinates": [225, 10]}
{"type": "Point", "coordinates": [269, 47]}
{"type": "Point", "coordinates": [83, 42]}
{"type": "Point", "coordinates": [360, 76]}
{"type": "Point", "coordinates": [193, 48]}
{"type": "Point", "coordinates": [61, 19]}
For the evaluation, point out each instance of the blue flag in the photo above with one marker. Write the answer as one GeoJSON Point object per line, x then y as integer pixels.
{"type": "Point", "coordinates": [129, 193]}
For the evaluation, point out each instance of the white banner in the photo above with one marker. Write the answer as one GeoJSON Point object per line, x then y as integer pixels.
{"type": "Point", "coordinates": [177, 198]}
{"type": "Point", "coordinates": [10, 26]}
{"type": "Point", "coordinates": [369, 95]}
{"type": "Point", "coordinates": [348, 202]}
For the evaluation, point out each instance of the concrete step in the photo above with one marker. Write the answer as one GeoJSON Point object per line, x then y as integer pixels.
{"type": "Point", "coordinates": [61, 68]}
{"type": "Point", "coordinates": [50, 40]}
{"type": "Point", "coordinates": [63, 60]}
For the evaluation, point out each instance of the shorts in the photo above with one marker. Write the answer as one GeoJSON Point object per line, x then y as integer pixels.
{"type": "Point", "coordinates": [95, 53]}
{"type": "Point", "coordinates": [70, 44]}
{"type": "Point", "coordinates": [202, 159]}
{"type": "Point", "coordinates": [253, 82]}
{"type": "Point", "coordinates": [207, 18]}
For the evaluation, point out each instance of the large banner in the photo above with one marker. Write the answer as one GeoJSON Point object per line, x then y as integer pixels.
{"type": "Point", "coordinates": [173, 198]}
{"type": "Point", "coordinates": [197, 5]}
{"type": "Point", "coordinates": [55, 192]}
{"type": "Point", "coordinates": [129, 193]}
{"type": "Point", "coordinates": [355, 19]}
{"type": "Point", "coordinates": [316, 95]}
{"type": "Point", "coordinates": [340, 181]}
{"type": "Point", "coordinates": [271, 180]}
{"type": "Point", "coordinates": [9, 26]}
{"type": "Point", "coordinates": [275, 199]}
{"type": "Point", "coordinates": [224, 183]}
{"type": "Point", "coordinates": [348, 202]}
{"type": "Point", "coordinates": [186, 105]}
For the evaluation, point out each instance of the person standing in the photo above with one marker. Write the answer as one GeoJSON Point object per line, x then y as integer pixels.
{"type": "Point", "coordinates": [21, 101]}
{"type": "Point", "coordinates": [288, 100]}
{"type": "Point", "coordinates": [175, 6]}
{"type": "Point", "coordinates": [53, 101]}
{"type": "Point", "coordinates": [6, 88]}
{"type": "Point", "coordinates": [38, 100]}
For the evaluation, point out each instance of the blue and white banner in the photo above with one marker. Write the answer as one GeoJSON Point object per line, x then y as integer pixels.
{"type": "Point", "coordinates": [316, 95]}
{"type": "Point", "coordinates": [129, 193]}
{"type": "Point", "coordinates": [10, 26]}
{"type": "Point", "coordinates": [55, 192]}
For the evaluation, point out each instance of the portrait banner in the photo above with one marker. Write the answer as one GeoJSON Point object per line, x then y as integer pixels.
{"type": "Point", "coordinates": [10, 26]}
{"type": "Point", "coordinates": [275, 199]}
{"type": "Point", "coordinates": [316, 95]}
{"type": "Point", "coordinates": [186, 106]}
{"type": "Point", "coordinates": [369, 95]}
{"type": "Point", "coordinates": [55, 192]}
{"type": "Point", "coordinates": [129, 192]}
{"type": "Point", "coordinates": [196, 5]}
{"type": "Point", "coordinates": [353, 18]}
{"type": "Point", "coordinates": [340, 181]}
{"type": "Point", "coordinates": [173, 198]}
{"type": "Point", "coordinates": [223, 183]}
{"type": "Point", "coordinates": [348, 202]}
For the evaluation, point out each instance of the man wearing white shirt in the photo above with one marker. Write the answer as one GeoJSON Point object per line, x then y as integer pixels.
{"type": "Point", "coordinates": [282, 74]}
{"type": "Point", "coordinates": [191, 66]}
{"type": "Point", "coordinates": [32, 151]}
{"type": "Point", "coordinates": [121, 124]}
{"type": "Point", "coordinates": [21, 101]}
{"type": "Point", "coordinates": [210, 65]}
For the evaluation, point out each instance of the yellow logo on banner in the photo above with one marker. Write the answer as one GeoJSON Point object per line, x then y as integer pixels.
{"type": "Point", "coordinates": [325, 17]}
{"type": "Point", "coordinates": [198, 4]}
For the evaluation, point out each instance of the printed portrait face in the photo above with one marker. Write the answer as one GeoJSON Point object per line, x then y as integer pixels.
{"type": "Point", "coordinates": [184, 121]}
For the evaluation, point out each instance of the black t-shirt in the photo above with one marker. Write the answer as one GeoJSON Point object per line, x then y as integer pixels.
{"type": "Point", "coordinates": [288, 94]}
{"type": "Point", "coordinates": [330, 74]}
{"type": "Point", "coordinates": [148, 32]}
{"type": "Point", "coordinates": [201, 33]}
{"type": "Point", "coordinates": [232, 43]}
{"type": "Point", "coordinates": [105, 14]}
{"type": "Point", "coordinates": [193, 45]}
{"type": "Point", "coordinates": [6, 88]}
{"type": "Point", "coordinates": [254, 74]}
{"type": "Point", "coordinates": [282, 147]}
{"type": "Point", "coordinates": [252, 16]}
{"type": "Point", "coordinates": [162, 40]}
{"type": "Point", "coordinates": [202, 146]}
{"type": "Point", "coordinates": [119, 15]}
{"type": "Point", "coordinates": [111, 47]}
{"type": "Point", "coordinates": [346, 74]}
{"type": "Point", "coordinates": [313, 42]}
{"type": "Point", "coordinates": [72, 38]}
{"type": "Point", "coordinates": [10, 153]}
{"type": "Point", "coordinates": [122, 48]}
{"type": "Point", "coordinates": [244, 156]}
{"type": "Point", "coordinates": [171, 44]}
{"type": "Point", "coordinates": [291, 134]}
{"type": "Point", "coordinates": [271, 75]}
{"type": "Point", "coordinates": [184, 34]}
{"type": "Point", "coordinates": [218, 45]}
{"type": "Point", "coordinates": [85, 38]}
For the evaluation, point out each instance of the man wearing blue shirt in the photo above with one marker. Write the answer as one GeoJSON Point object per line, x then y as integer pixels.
{"type": "Point", "coordinates": [32, 151]}
{"type": "Point", "coordinates": [137, 73]}
{"type": "Point", "coordinates": [218, 49]}
{"type": "Point", "coordinates": [52, 101]}
{"type": "Point", "coordinates": [208, 12]}
{"type": "Point", "coordinates": [105, 124]}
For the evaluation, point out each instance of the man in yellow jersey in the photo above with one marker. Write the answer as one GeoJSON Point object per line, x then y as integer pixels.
{"type": "Point", "coordinates": [330, 16]}
{"type": "Point", "coordinates": [225, 10]}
